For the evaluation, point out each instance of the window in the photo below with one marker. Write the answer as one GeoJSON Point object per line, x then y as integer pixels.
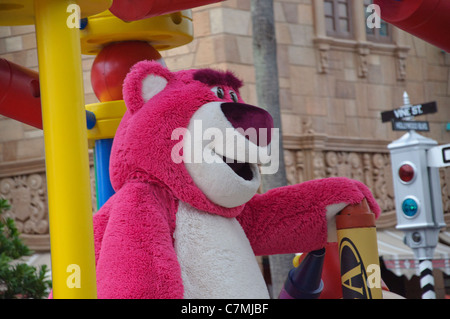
{"type": "Point", "coordinates": [382, 34]}
{"type": "Point", "coordinates": [342, 25]}
{"type": "Point", "coordinates": [338, 18]}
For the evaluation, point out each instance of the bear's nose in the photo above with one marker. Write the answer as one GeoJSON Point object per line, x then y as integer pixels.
{"type": "Point", "coordinates": [247, 116]}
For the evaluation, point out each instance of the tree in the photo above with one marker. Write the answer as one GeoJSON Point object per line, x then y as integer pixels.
{"type": "Point", "coordinates": [267, 91]}
{"type": "Point", "coordinates": [17, 279]}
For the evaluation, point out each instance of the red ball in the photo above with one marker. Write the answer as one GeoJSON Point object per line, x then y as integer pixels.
{"type": "Point", "coordinates": [114, 62]}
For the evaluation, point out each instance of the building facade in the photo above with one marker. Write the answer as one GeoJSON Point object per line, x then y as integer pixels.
{"type": "Point", "coordinates": [336, 75]}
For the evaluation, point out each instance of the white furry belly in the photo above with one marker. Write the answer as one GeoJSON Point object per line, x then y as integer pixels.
{"type": "Point", "coordinates": [215, 256]}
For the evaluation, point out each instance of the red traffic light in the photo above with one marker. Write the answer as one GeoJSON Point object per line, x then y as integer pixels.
{"type": "Point", "coordinates": [406, 173]}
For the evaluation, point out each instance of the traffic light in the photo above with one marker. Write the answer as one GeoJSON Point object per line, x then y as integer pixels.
{"type": "Point", "coordinates": [417, 188]}
{"type": "Point", "coordinates": [415, 163]}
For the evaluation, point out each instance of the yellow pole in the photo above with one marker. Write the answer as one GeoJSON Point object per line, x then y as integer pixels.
{"type": "Point", "coordinates": [66, 151]}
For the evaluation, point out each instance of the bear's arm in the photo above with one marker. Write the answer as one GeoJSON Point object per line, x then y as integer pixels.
{"type": "Point", "coordinates": [135, 255]}
{"type": "Point", "coordinates": [293, 218]}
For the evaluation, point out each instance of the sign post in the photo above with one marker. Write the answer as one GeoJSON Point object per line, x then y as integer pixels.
{"type": "Point", "coordinates": [403, 118]}
{"type": "Point", "coordinates": [415, 161]}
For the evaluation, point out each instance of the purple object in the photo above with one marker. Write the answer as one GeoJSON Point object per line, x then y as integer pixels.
{"type": "Point", "coordinates": [305, 281]}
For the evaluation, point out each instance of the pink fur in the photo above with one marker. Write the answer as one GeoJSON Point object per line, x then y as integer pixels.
{"type": "Point", "coordinates": [134, 230]}
{"type": "Point", "coordinates": [292, 218]}
{"type": "Point", "coordinates": [134, 248]}
{"type": "Point", "coordinates": [213, 78]}
{"type": "Point", "coordinates": [143, 141]}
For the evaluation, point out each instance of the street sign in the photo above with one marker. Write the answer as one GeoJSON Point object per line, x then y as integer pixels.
{"type": "Point", "coordinates": [410, 125]}
{"type": "Point", "coordinates": [439, 156]}
{"type": "Point", "coordinates": [409, 111]}
{"type": "Point", "coordinates": [446, 155]}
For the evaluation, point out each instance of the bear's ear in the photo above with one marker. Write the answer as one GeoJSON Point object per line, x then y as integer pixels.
{"type": "Point", "coordinates": [144, 81]}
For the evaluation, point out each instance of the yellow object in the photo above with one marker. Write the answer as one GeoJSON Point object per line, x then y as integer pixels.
{"type": "Point", "coordinates": [68, 180]}
{"type": "Point", "coordinates": [162, 32]}
{"type": "Point", "coordinates": [107, 118]}
{"type": "Point", "coordinates": [21, 12]}
{"type": "Point", "coordinates": [358, 251]}
{"type": "Point", "coordinates": [296, 260]}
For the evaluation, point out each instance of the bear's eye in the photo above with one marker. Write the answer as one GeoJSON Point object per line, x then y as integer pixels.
{"type": "Point", "coordinates": [234, 96]}
{"type": "Point", "coordinates": [218, 91]}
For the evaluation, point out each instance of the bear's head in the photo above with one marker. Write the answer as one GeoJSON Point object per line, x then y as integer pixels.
{"type": "Point", "coordinates": [192, 132]}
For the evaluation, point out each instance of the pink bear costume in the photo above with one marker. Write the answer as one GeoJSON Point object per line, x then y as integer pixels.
{"type": "Point", "coordinates": [179, 228]}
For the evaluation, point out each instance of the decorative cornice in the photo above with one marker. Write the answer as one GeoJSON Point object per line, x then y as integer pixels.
{"type": "Point", "coordinates": [22, 167]}
{"type": "Point", "coordinates": [387, 220]}
{"type": "Point", "coordinates": [27, 166]}
{"type": "Point", "coordinates": [324, 142]}
{"type": "Point", "coordinates": [351, 45]}
{"type": "Point", "coordinates": [363, 49]}
{"type": "Point", "coordinates": [37, 242]}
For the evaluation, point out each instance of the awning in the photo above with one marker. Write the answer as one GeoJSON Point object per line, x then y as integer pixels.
{"type": "Point", "coordinates": [400, 259]}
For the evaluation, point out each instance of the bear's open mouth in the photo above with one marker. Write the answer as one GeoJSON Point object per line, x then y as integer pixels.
{"type": "Point", "coordinates": [243, 170]}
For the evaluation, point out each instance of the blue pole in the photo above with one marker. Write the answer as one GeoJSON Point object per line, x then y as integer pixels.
{"type": "Point", "coordinates": [102, 154]}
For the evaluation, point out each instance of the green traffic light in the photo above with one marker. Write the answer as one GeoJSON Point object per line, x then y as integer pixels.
{"type": "Point", "coordinates": [410, 207]}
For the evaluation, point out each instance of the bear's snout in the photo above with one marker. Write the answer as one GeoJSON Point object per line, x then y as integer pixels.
{"type": "Point", "coordinates": [245, 116]}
